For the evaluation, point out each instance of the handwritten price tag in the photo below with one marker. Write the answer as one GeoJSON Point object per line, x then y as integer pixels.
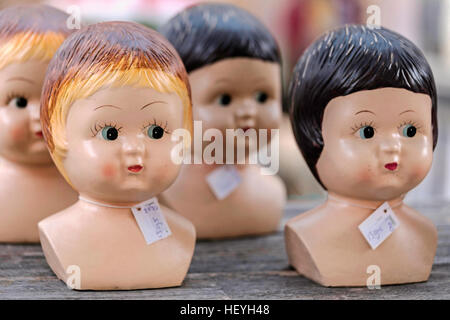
{"type": "Point", "coordinates": [379, 225]}
{"type": "Point", "coordinates": [151, 221]}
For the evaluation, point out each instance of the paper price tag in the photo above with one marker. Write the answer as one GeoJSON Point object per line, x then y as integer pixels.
{"type": "Point", "coordinates": [379, 225]}
{"type": "Point", "coordinates": [151, 221]}
{"type": "Point", "coordinates": [223, 181]}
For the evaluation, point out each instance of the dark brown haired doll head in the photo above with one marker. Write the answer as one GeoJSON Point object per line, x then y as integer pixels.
{"type": "Point", "coordinates": [346, 61]}
{"type": "Point", "coordinates": [209, 32]}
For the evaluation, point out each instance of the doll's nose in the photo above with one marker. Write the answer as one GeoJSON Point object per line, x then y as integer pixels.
{"type": "Point", "coordinates": [34, 109]}
{"type": "Point", "coordinates": [246, 109]}
{"type": "Point", "coordinates": [391, 144]}
{"type": "Point", "coordinates": [133, 145]}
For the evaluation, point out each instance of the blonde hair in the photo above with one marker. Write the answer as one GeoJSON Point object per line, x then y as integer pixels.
{"type": "Point", "coordinates": [29, 46]}
{"type": "Point", "coordinates": [31, 32]}
{"type": "Point", "coordinates": [109, 54]}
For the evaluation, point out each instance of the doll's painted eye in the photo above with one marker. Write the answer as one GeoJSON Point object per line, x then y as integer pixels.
{"type": "Point", "coordinates": [409, 131]}
{"type": "Point", "coordinates": [366, 132]}
{"type": "Point", "coordinates": [261, 97]}
{"type": "Point", "coordinates": [19, 102]}
{"type": "Point", "coordinates": [110, 133]}
{"type": "Point", "coordinates": [155, 132]}
{"type": "Point", "coordinates": [224, 99]}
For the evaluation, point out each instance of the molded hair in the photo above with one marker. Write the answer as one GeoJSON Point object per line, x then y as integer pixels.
{"type": "Point", "coordinates": [107, 54]}
{"type": "Point", "coordinates": [346, 60]}
{"type": "Point", "coordinates": [31, 32]}
{"type": "Point", "coordinates": [207, 33]}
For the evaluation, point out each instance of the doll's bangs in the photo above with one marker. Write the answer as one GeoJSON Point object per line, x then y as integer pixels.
{"type": "Point", "coordinates": [30, 45]}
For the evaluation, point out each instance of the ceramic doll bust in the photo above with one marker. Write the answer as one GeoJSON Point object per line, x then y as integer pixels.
{"type": "Point", "coordinates": [31, 187]}
{"type": "Point", "coordinates": [364, 113]}
{"type": "Point", "coordinates": [112, 96]}
{"type": "Point", "coordinates": [234, 71]}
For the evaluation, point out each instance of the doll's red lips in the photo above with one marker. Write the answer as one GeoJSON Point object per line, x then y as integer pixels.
{"type": "Point", "coordinates": [39, 134]}
{"type": "Point", "coordinates": [391, 166]}
{"type": "Point", "coordinates": [135, 168]}
{"type": "Point", "coordinates": [245, 128]}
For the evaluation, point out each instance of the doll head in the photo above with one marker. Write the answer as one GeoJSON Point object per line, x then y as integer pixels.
{"type": "Point", "coordinates": [29, 36]}
{"type": "Point", "coordinates": [113, 94]}
{"type": "Point", "coordinates": [234, 66]}
{"type": "Point", "coordinates": [364, 112]}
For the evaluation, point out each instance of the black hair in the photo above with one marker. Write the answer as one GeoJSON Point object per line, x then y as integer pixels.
{"type": "Point", "coordinates": [206, 33]}
{"type": "Point", "coordinates": [346, 60]}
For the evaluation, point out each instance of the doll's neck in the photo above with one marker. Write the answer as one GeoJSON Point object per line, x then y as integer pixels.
{"type": "Point", "coordinates": [17, 165]}
{"type": "Point", "coordinates": [242, 163]}
{"type": "Point", "coordinates": [92, 203]}
{"type": "Point", "coordinates": [340, 200]}
{"type": "Point", "coordinates": [211, 167]}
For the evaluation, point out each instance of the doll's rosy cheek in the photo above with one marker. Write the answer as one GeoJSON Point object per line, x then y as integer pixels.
{"type": "Point", "coordinates": [365, 174]}
{"type": "Point", "coordinates": [18, 133]}
{"type": "Point", "coordinates": [419, 171]}
{"type": "Point", "coordinates": [108, 170]}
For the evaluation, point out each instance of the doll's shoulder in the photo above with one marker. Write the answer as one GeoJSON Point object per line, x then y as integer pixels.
{"type": "Point", "coordinates": [276, 183]}
{"type": "Point", "coordinates": [58, 220]}
{"type": "Point", "coordinates": [417, 223]}
{"type": "Point", "coordinates": [254, 179]}
{"type": "Point", "coordinates": [318, 223]}
{"type": "Point", "coordinates": [179, 225]}
{"type": "Point", "coordinates": [308, 220]}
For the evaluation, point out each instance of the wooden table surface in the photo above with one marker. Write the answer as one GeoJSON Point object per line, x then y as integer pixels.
{"type": "Point", "coordinates": [245, 268]}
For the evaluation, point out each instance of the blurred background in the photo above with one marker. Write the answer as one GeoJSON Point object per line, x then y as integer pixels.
{"type": "Point", "coordinates": [295, 24]}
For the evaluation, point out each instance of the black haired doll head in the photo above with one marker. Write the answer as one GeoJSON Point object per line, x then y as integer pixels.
{"type": "Point", "coordinates": [354, 59]}
{"type": "Point", "coordinates": [234, 68]}
{"type": "Point", "coordinates": [363, 110]}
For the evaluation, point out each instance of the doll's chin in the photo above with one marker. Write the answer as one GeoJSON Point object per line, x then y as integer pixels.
{"type": "Point", "coordinates": [41, 157]}
{"type": "Point", "coordinates": [123, 198]}
{"type": "Point", "coordinates": [384, 194]}
{"type": "Point", "coordinates": [36, 158]}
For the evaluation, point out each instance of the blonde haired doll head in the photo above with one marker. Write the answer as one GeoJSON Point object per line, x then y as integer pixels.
{"type": "Point", "coordinates": [29, 37]}
{"type": "Point", "coordinates": [113, 95]}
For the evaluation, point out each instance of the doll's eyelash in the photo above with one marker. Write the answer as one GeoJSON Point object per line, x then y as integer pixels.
{"type": "Point", "coordinates": [362, 125]}
{"type": "Point", "coordinates": [156, 123]}
{"type": "Point", "coordinates": [13, 95]}
{"type": "Point", "coordinates": [413, 123]}
{"type": "Point", "coordinates": [99, 126]}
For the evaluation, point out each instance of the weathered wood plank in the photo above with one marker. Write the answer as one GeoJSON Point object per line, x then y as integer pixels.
{"type": "Point", "coordinates": [246, 268]}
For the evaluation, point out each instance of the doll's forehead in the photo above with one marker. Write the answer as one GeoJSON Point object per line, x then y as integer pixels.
{"type": "Point", "coordinates": [382, 101]}
{"type": "Point", "coordinates": [126, 99]}
{"type": "Point", "coordinates": [230, 65]}
{"type": "Point", "coordinates": [245, 71]}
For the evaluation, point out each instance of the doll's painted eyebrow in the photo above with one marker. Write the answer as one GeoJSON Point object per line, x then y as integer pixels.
{"type": "Point", "coordinates": [223, 80]}
{"type": "Point", "coordinates": [153, 102]}
{"type": "Point", "coordinates": [107, 106]}
{"type": "Point", "coordinates": [260, 82]}
{"type": "Point", "coordinates": [20, 79]}
{"type": "Point", "coordinates": [405, 111]}
{"type": "Point", "coordinates": [364, 111]}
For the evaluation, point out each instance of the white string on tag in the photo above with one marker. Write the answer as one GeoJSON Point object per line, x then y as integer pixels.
{"type": "Point", "coordinates": [395, 205]}
{"type": "Point", "coordinates": [101, 204]}
{"type": "Point", "coordinates": [379, 225]}
{"type": "Point", "coordinates": [148, 216]}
